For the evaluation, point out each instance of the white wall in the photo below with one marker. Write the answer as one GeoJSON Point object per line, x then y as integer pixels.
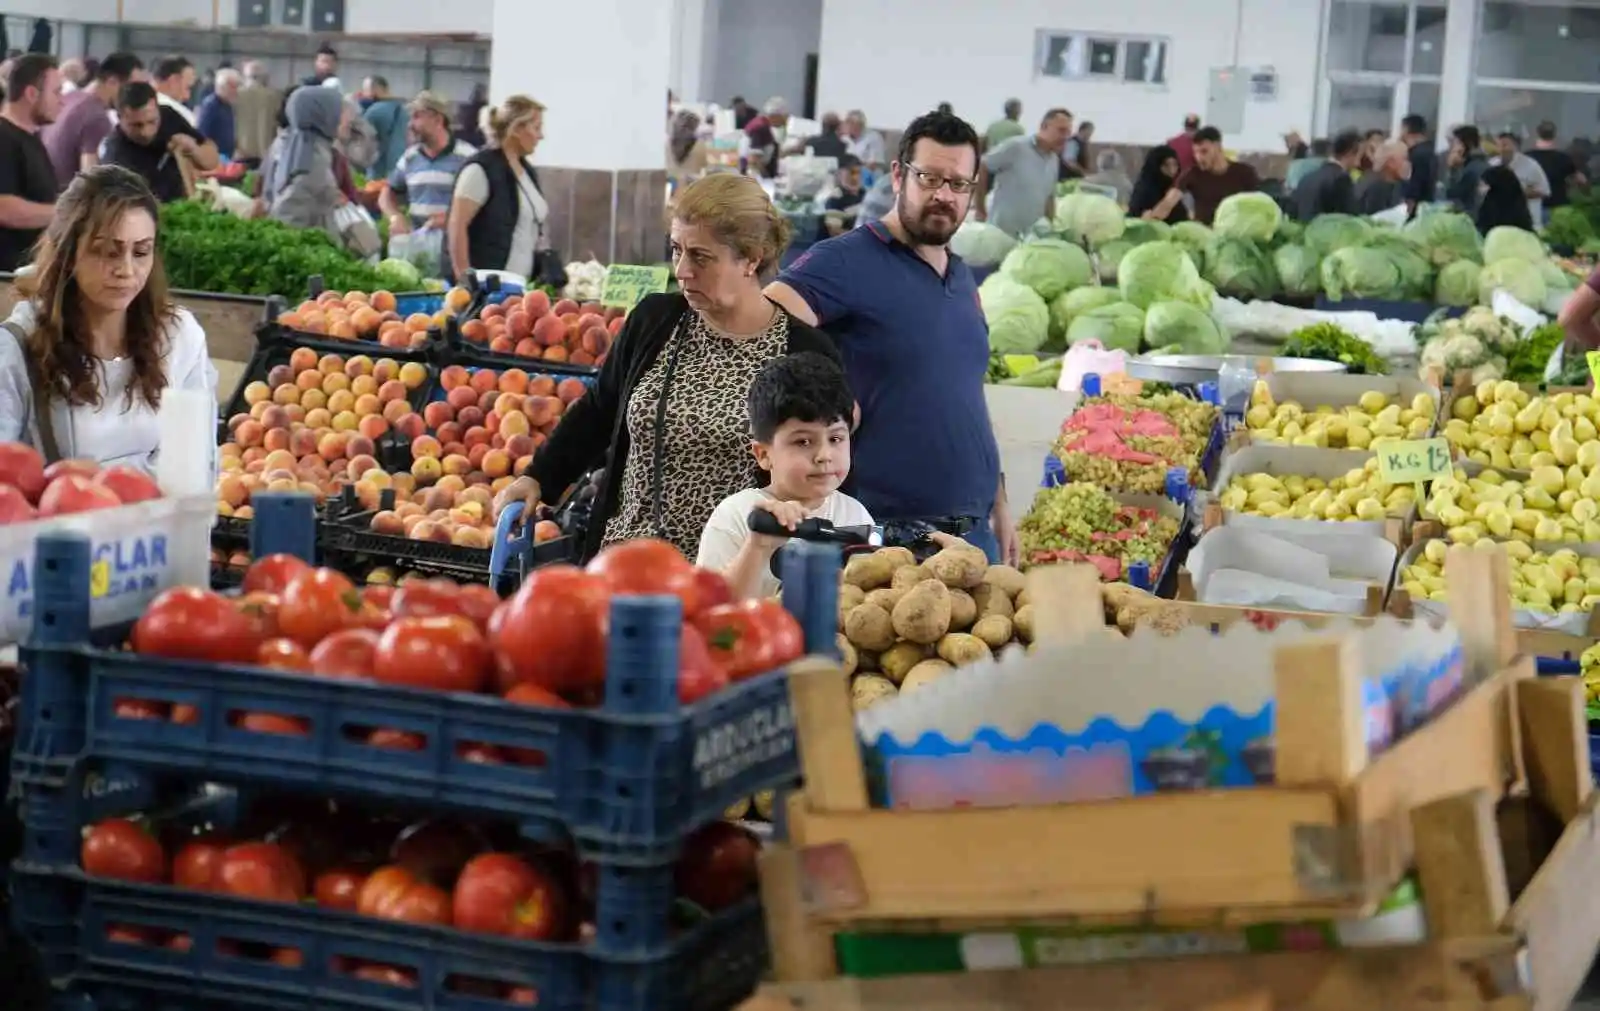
{"type": "Point", "coordinates": [897, 59]}
{"type": "Point", "coordinates": [378, 17]}
{"type": "Point", "coordinates": [760, 49]}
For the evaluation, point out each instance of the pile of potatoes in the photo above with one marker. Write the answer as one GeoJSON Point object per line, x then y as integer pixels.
{"type": "Point", "coordinates": [905, 624]}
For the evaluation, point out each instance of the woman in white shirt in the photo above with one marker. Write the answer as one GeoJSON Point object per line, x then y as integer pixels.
{"type": "Point", "coordinates": [95, 341]}
{"type": "Point", "coordinates": [497, 212]}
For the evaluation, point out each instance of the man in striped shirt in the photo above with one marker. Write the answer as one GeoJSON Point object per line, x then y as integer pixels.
{"type": "Point", "coordinates": [425, 176]}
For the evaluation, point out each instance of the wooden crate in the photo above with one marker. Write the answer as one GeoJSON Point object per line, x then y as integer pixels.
{"type": "Point", "coordinates": [1430, 802]}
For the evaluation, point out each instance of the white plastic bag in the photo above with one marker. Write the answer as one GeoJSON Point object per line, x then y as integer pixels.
{"type": "Point", "coordinates": [424, 248]}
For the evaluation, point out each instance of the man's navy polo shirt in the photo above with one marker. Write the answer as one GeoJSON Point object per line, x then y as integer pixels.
{"type": "Point", "coordinates": [915, 347]}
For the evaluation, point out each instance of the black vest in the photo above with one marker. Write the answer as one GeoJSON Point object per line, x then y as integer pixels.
{"type": "Point", "coordinates": [489, 233]}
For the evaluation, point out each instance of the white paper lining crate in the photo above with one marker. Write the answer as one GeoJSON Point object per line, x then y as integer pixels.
{"type": "Point", "coordinates": [1217, 857]}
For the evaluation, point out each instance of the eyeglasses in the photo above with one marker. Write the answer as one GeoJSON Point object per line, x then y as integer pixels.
{"type": "Point", "coordinates": [933, 182]}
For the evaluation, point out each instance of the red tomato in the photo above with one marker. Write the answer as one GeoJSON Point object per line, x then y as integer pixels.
{"type": "Point", "coordinates": [479, 754]}
{"type": "Point", "coordinates": [447, 653]}
{"type": "Point", "coordinates": [698, 674]}
{"type": "Point", "coordinates": [346, 654]}
{"type": "Point", "coordinates": [737, 638]}
{"type": "Point", "coordinates": [421, 598]}
{"type": "Point", "coordinates": [275, 723]}
{"type": "Point", "coordinates": [786, 640]}
{"type": "Point", "coordinates": [527, 694]}
{"type": "Point", "coordinates": [478, 603]}
{"type": "Point", "coordinates": [190, 624]}
{"type": "Point", "coordinates": [185, 714]}
{"type": "Point", "coordinates": [396, 740]}
{"type": "Point", "coordinates": [118, 848]}
{"type": "Point", "coordinates": [283, 654]}
{"type": "Point", "coordinates": [500, 894]}
{"type": "Point", "coordinates": [262, 610]}
{"type": "Point", "coordinates": [197, 864]}
{"type": "Point", "coordinates": [711, 589]}
{"type": "Point", "coordinates": [180, 943]}
{"type": "Point", "coordinates": [263, 871]}
{"type": "Point", "coordinates": [525, 995]}
{"type": "Point", "coordinates": [648, 565]}
{"type": "Point", "coordinates": [552, 632]}
{"type": "Point", "coordinates": [289, 958]}
{"type": "Point", "coordinates": [316, 604]}
{"type": "Point", "coordinates": [272, 573]}
{"type": "Point", "coordinates": [386, 974]}
{"type": "Point", "coordinates": [379, 595]}
{"type": "Point", "coordinates": [394, 893]}
{"type": "Point", "coordinates": [718, 866]}
{"type": "Point", "coordinates": [139, 709]}
{"type": "Point", "coordinates": [338, 889]}
{"type": "Point", "coordinates": [122, 933]}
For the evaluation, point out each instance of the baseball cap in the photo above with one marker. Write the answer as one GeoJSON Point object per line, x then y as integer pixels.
{"type": "Point", "coordinates": [428, 101]}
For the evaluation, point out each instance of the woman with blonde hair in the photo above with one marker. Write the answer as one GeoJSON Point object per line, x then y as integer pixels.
{"type": "Point", "coordinates": [95, 341]}
{"type": "Point", "coordinates": [497, 212]}
{"type": "Point", "coordinates": [667, 417]}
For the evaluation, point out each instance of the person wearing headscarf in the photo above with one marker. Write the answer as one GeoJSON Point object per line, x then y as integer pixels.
{"type": "Point", "coordinates": [686, 152]}
{"type": "Point", "coordinates": [1503, 201]}
{"type": "Point", "coordinates": [302, 189]}
{"type": "Point", "coordinates": [1156, 178]}
{"type": "Point", "coordinates": [42, 34]}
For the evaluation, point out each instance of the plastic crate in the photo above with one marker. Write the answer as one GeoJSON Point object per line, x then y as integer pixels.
{"type": "Point", "coordinates": [67, 918]}
{"type": "Point", "coordinates": [627, 782]}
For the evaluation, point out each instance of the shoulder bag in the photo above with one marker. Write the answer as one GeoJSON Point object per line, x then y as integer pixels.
{"type": "Point", "coordinates": [42, 418]}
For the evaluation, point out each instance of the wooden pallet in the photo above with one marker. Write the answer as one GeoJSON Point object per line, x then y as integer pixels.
{"type": "Point", "coordinates": [1432, 805]}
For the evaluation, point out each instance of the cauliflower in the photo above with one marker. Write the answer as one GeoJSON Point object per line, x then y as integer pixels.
{"type": "Point", "coordinates": [1494, 368]}
{"type": "Point", "coordinates": [1494, 332]}
{"type": "Point", "coordinates": [1454, 350]}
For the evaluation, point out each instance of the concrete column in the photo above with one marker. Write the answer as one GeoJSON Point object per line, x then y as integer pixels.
{"type": "Point", "coordinates": [1460, 67]}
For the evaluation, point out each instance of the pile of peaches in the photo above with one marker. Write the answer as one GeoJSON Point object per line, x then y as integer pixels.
{"type": "Point", "coordinates": [355, 315]}
{"type": "Point", "coordinates": [529, 326]}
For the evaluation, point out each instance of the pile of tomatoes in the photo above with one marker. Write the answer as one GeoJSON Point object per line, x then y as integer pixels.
{"type": "Point", "coordinates": [545, 646]}
{"type": "Point", "coordinates": [471, 877]}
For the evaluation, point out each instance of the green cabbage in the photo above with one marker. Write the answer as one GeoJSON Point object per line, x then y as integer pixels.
{"type": "Point", "coordinates": [1161, 270]}
{"type": "Point", "coordinates": [1117, 326]}
{"type": "Point", "coordinates": [1328, 232]}
{"type": "Point", "coordinates": [1416, 271]}
{"type": "Point", "coordinates": [399, 275]}
{"type": "Point", "coordinates": [1520, 279]}
{"type": "Point", "coordinates": [1289, 231]}
{"type": "Point", "coordinates": [1089, 217]}
{"type": "Point", "coordinates": [1068, 306]}
{"type": "Point", "coordinates": [1140, 230]}
{"type": "Point", "coordinates": [1555, 279]}
{"type": "Point", "coordinates": [1240, 267]}
{"type": "Point", "coordinates": [1297, 270]}
{"type": "Point", "coordinates": [1359, 272]}
{"type": "Point", "coordinates": [1508, 242]}
{"type": "Point", "coordinates": [1108, 256]}
{"type": "Point", "coordinates": [1048, 266]}
{"type": "Point", "coordinates": [1448, 236]}
{"type": "Point", "coordinates": [1019, 320]}
{"type": "Point", "coordinates": [1457, 284]}
{"type": "Point", "coordinates": [1185, 328]}
{"type": "Point", "coordinates": [981, 244]}
{"type": "Point", "coordinates": [1253, 216]}
{"type": "Point", "coordinates": [1191, 235]}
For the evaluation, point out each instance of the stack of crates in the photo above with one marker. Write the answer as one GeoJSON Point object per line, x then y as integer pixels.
{"type": "Point", "coordinates": [626, 782]}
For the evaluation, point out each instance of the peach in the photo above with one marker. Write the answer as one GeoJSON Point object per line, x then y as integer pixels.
{"type": "Point", "coordinates": [484, 380]}
{"type": "Point", "coordinates": [296, 413]}
{"type": "Point", "coordinates": [513, 381]}
{"type": "Point", "coordinates": [456, 463]}
{"type": "Point", "coordinates": [303, 442]}
{"type": "Point", "coordinates": [394, 410]}
{"type": "Point", "coordinates": [526, 348]}
{"type": "Point", "coordinates": [363, 386]}
{"type": "Point", "coordinates": [477, 435]}
{"type": "Point", "coordinates": [279, 459]}
{"type": "Point", "coordinates": [387, 522]}
{"type": "Point", "coordinates": [345, 421]}
{"type": "Point", "coordinates": [409, 426]}
{"type": "Point", "coordinates": [461, 396]}
{"type": "Point", "coordinates": [543, 411]}
{"type": "Point", "coordinates": [249, 433]}
{"type": "Point", "coordinates": [394, 389]}
{"type": "Point", "coordinates": [331, 446]}
{"type": "Point", "coordinates": [542, 385]}
{"type": "Point", "coordinates": [405, 509]}
{"type": "Point", "coordinates": [252, 457]}
{"type": "Point", "coordinates": [283, 396]}
{"type": "Point", "coordinates": [470, 417]}
{"type": "Point", "coordinates": [302, 359]}
{"type": "Point", "coordinates": [590, 319]}
{"type": "Point", "coordinates": [476, 453]}
{"type": "Point", "coordinates": [319, 417]}
{"type": "Point", "coordinates": [486, 401]}
{"type": "Point", "coordinates": [309, 380]}
{"type": "Point", "coordinates": [232, 491]}
{"type": "Point", "coordinates": [452, 483]}
{"type": "Point", "coordinates": [615, 326]}
{"type": "Point", "coordinates": [429, 530]}
{"type": "Point", "coordinates": [515, 425]}
{"type": "Point", "coordinates": [383, 301]}
{"type": "Point", "coordinates": [536, 303]}
{"type": "Point", "coordinates": [501, 344]}
{"type": "Point", "coordinates": [418, 322]}
{"type": "Point", "coordinates": [365, 320]}
{"type": "Point", "coordinates": [519, 325]}
{"type": "Point", "coordinates": [437, 413]}
{"type": "Point", "coordinates": [367, 493]}
{"type": "Point", "coordinates": [275, 416]}
{"type": "Point", "coordinates": [469, 537]}
{"type": "Point", "coordinates": [476, 331]}
{"type": "Point", "coordinates": [412, 374]}
{"type": "Point", "coordinates": [330, 363]}
{"type": "Point", "coordinates": [548, 331]}
{"type": "Point", "coordinates": [582, 358]}
{"type": "Point", "coordinates": [341, 401]}
{"type": "Point", "coordinates": [312, 399]}
{"type": "Point", "coordinates": [425, 446]}
{"type": "Point", "coordinates": [425, 470]}
{"type": "Point", "coordinates": [333, 382]}
{"type": "Point", "coordinates": [275, 439]}
{"type": "Point", "coordinates": [358, 365]}
{"type": "Point", "coordinates": [367, 403]}
{"type": "Point", "coordinates": [595, 341]}
{"type": "Point", "coordinates": [403, 484]}
{"type": "Point", "coordinates": [373, 426]}
{"type": "Point", "coordinates": [358, 444]}
{"type": "Point", "coordinates": [412, 521]}
{"type": "Point", "coordinates": [280, 374]}
{"type": "Point", "coordinates": [545, 530]}
{"type": "Point", "coordinates": [496, 463]}
{"type": "Point", "coordinates": [242, 417]}
{"type": "Point", "coordinates": [570, 389]}
{"type": "Point", "coordinates": [507, 402]}
{"type": "Point", "coordinates": [385, 369]}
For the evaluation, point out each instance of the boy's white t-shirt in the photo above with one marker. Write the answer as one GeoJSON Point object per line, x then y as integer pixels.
{"type": "Point", "coordinates": [729, 527]}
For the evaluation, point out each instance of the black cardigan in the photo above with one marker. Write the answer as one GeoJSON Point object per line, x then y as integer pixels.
{"type": "Point", "coordinates": [594, 430]}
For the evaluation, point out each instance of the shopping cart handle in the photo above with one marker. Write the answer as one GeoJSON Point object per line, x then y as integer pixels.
{"type": "Point", "coordinates": [508, 543]}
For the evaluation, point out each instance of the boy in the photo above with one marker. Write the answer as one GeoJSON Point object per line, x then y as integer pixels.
{"type": "Point", "coordinates": [800, 414]}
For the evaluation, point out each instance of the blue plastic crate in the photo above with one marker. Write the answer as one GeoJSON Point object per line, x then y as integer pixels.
{"type": "Point", "coordinates": [67, 918]}
{"type": "Point", "coordinates": [425, 302]}
{"type": "Point", "coordinates": [627, 781]}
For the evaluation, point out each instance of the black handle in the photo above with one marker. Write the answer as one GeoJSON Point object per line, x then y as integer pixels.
{"type": "Point", "coordinates": [763, 522]}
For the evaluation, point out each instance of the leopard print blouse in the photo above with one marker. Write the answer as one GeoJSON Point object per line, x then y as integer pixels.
{"type": "Point", "coordinates": [705, 455]}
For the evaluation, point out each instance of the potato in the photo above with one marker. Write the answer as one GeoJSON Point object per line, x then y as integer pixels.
{"type": "Point", "coordinates": [898, 557]}
{"type": "Point", "coordinates": [994, 629]}
{"type": "Point", "coordinates": [1023, 623]}
{"type": "Point", "coordinates": [992, 600]}
{"type": "Point", "coordinates": [963, 610]}
{"type": "Point", "coordinates": [885, 597]}
{"type": "Point", "coordinates": [1134, 611]}
{"type": "Point", "coordinates": [847, 654]}
{"type": "Point", "coordinates": [1162, 619]}
{"type": "Point", "coordinates": [958, 567]}
{"type": "Point", "coordinates": [869, 626]}
{"type": "Point", "coordinates": [868, 571]}
{"type": "Point", "coordinates": [1116, 595]}
{"type": "Point", "coordinates": [895, 661]}
{"type": "Point", "coordinates": [870, 689]}
{"type": "Point", "coordinates": [959, 649]}
{"type": "Point", "coordinates": [764, 802]}
{"type": "Point", "coordinates": [850, 596]}
{"type": "Point", "coordinates": [1022, 600]}
{"type": "Point", "coordinates": [737, 810]}
{"type": "Point", "coordinates": [1007, 578]}
{"type": "Point", "coordinates": [924, 672]}
{"type": "Point", "coordinates": [923, 614]}
{"type": "Point", "coordinates": [908, 576]}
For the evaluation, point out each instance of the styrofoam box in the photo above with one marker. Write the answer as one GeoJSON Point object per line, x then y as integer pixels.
{"type": "Point", "coordinates": [1308, 571]}
{"type": "Point", "coordinates": [1306, 461]}
{"type": "Point", "coordinates": [138, 551]}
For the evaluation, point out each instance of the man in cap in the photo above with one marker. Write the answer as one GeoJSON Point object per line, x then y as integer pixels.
{"type": "Point", "coordinates": [761, 137]}
{"type": "Point", "coordinates": [425, 176]}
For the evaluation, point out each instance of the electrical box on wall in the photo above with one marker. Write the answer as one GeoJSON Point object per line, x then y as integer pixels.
{"type": "Point", "coordinates": [1226, 97]}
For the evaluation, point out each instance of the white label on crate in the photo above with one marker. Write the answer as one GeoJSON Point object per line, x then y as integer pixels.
{"type": "Point", "coordinates": [134, 564]}
{"type": "Point", "coordinates": [991, 951]}
{"type": "Point", "coordinates": [728, 749]}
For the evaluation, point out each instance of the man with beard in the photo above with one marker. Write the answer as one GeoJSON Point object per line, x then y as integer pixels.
{"type": "Point", "coordinates": [905, 312]}
{"type": "Point", "coordinates": [27, 180]}
{"type": "Point", "coordinates": [1023, 173]}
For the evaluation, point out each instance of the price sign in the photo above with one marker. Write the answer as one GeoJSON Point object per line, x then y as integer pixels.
{"type": "Point", "coordinates": [1594, 366]}
{"type": "Point", "coordinates": [1413, 461]}
{"type": "Point", "coordinates": [627, 283]}
{"type": "Point", "coordinates": [99, 579]}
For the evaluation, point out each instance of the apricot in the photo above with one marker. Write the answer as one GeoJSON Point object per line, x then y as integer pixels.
{"type": "Point", "coordinates": [364, 386]}
{"type": "Point", "coordinates": [545, 530]}
{"type": "Point", "coordinates": [485, 380]}
{"type": "Point", "coordinates": [372, 426]}
{"type": "Point", "coordinates": [418, 321]}
{"type": "Point", "coordinates": [564, 307]}
{"type": "Point", "coordinates": [462, 396]}
{"type": "Point", "coordinates": [501, 344]}
{"type": "Point", "coordinates": [456, 463]}
{"type": "Point", "coordinates": [496, 463]}
{"type": "Point", "coordinates": [383, 301]}
{"type": "Point", "coordinates": [452, 483]}
{"type": "Point", "coordinates": [319, 417]}
{"type": "Point", "coordinates": [425, 470]}
{"type": "Point", "coordinates": [425, 446]}
{"type": "Point", "coordinates": [250, 433]}
{"type": "Point", "coordinates": [275, 439]}
{"type": "Point", "coordinates": [526, 348]}
{"type": "Point", "coordinates": [367, 404]}
{"type": "Point", "coordinates": [476, 331]}
{"type": "Point", "coordinates": [548, 331]}
{"type": "Point", "coordinates": [514, 425]}
{"type": "Point", "coordinates": [328, 364]}
{"type": "Point", "coordinates": [470, 416]}
{"type": "Point", "coordinates": [555, 354]}
{"type": "Point", "coordinates": [394, 410]}
{"type": "Point", "coordinates": [409, 426]}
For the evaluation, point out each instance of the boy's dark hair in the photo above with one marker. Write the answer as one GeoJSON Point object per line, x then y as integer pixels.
{"type": "Point", "coordinates": [28, 72]}
{"type": "Point", "coordinates": [1546, 130]}
{"type": "Point", "coordinates": [943, 128]}
{"type": "Point", "coordinates": [135, 95]}
{"type": "Point", "coordinates": [1346, 143]}
{"type": "Point", "coordinates": [1208, 135]}
{"type": "Point", "coordinates": [170, 66]}
{"type": "Point", "coordinates": [118, 66]}
{"type": "Point", "coordinates": [1469, 137]}
{"type": "Point", "coordinates": [1414, 124]}
{"type": "Point", "coordinates": [806, 387]}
